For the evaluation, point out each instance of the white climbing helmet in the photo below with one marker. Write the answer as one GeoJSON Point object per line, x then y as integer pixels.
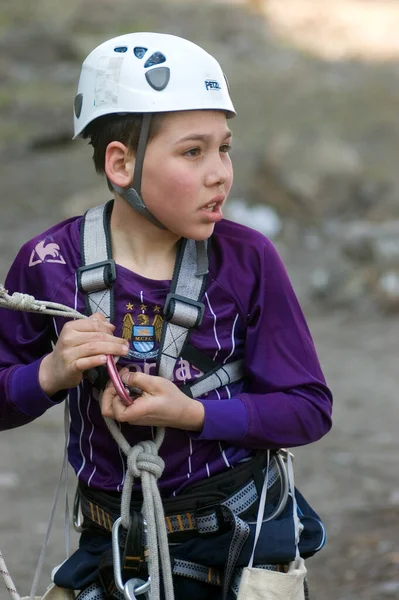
{"type": "Point", "coordinates": [149, 73]}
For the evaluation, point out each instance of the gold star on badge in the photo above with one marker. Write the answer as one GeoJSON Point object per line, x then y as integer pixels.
{"type": "Point", "coordinates": [157, 309]}
{"type": "Point", "coordinates": [129, 306]}
{"type": "Point", "coordinates": [143, 307]}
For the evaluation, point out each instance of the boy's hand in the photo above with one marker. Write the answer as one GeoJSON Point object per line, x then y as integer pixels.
{"type": "Point", "coordinates": [82, 345]}
{"type": "Point", "coordinates": [161, 404]}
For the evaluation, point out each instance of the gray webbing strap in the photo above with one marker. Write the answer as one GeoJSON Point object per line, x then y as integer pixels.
{"type": "Point", "coordinates": [98, 269]}
{"type": "Point", "coordinates": [202, 258]}
{"type": "Point", "coordinates": [192, 570]}
{"type": "Point", "coordinates": [241, 533]}
{"type": "Point", "coordinates": [182, 311]}
{"type": "Point", "coordinates": [238, 503]}
{"type": "Point", "coordinates": [133, 198]}
{"type": "Point", "coordinates": [212, 575]}
{"type": "Point", "coordinates": [226, 374]}
{"type": "Point", "coordinates": [132, 195]}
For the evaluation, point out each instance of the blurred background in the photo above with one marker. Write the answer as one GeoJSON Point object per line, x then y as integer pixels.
{"type": "Point", "coordinates": [316, 87]}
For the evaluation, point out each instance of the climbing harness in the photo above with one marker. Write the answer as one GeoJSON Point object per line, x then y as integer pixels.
{"type": "Point", "coordinates": [186, 513]}
{"type": "Point", "coordinates": [205, 509]}
{"type": "Point", "coordinates": [183, 311]}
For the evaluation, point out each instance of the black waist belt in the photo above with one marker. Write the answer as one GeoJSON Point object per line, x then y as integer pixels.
{"type": "Point", "coordinates": [199, 508]}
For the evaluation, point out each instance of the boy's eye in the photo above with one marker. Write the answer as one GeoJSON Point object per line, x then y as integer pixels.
{"type": "Point", "coordinates": [225, 148]}
{"type": "Point", "coordinates": [193, 152]}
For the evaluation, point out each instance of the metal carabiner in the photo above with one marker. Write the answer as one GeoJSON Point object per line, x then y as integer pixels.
{"type": "Point", "coordinates": [77, 516]}
{"type": "Point", "coordinates": [132, 586]}
{"type": "Point", "coordinates": [281, 504]}
{"type": "Point", "coordinates": [135, 586]}
{"type": "Point", "coordinates": [126, 393]}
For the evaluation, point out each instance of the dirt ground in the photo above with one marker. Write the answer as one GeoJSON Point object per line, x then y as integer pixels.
{"type": "Point", "coordinates": [350, 477]}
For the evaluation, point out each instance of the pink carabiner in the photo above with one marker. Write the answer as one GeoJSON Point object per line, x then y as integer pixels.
{"type": "Point", "coordinates": [117, 381]}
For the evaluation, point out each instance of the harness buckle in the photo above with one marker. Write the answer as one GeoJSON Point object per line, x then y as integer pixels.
{"type": "Point", "coordinates": [210, 519]}
{"type": "Point", "coordinates": [169, 309]}
{"type": "Point", "coordinates": [108, 275]}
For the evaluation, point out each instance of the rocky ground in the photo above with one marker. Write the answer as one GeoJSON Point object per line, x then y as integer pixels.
{"type": "Point", "coordinates": [316, 140]}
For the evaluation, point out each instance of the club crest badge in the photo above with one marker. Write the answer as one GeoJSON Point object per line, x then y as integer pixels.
{"type": "Point", "coordinates": [142, 331]}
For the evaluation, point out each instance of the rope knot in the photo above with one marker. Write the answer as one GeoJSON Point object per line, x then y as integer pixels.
{"type": "Point", "coordinates": [143, 457]}
{"type": "Point", "coordinates": [23, 302]}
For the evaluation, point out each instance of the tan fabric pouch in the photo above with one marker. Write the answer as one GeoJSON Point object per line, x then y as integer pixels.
{"type": "Point", "coordinates": [262, 584]}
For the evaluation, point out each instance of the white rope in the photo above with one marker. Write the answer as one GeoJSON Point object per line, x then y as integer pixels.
{"type": "Point", "coordinates": [142, 461]}
{"type": "Point", "coordinates": [27, 303]}
{"type": "Point", "coordinates": [7, 579]}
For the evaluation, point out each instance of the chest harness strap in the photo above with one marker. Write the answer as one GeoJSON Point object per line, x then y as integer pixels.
{"type": "Point", "coordinates": [183, 310]}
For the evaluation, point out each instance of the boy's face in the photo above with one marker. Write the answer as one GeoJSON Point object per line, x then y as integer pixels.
{"type": "Point", "coordinates": [187, 172]}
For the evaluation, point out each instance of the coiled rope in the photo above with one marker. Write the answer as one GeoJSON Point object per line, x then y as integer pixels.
{"type": "Point", "coordinates": [142, 461]}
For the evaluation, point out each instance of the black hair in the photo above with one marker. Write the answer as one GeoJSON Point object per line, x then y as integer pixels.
{"type": "Point", "coordinates": [120, 128]}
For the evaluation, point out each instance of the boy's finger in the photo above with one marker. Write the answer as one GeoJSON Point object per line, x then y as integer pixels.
{"type": "Point", "coordinates": [107, 405]}
{"type": "Point", "coordinates": [139, 380]}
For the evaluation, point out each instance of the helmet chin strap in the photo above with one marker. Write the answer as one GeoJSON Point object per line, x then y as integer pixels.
{"type": "Point", "coordinates": [136, 202]}
{"type": "Point", "coordinates": [132, 195]}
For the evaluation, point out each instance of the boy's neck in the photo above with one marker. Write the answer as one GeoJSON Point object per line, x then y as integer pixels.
{"type": "Point", "coordinates": [139, 246]}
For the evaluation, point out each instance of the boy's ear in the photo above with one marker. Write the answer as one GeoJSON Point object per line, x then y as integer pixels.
{"type": "Point", "coordinates": [119, 164]}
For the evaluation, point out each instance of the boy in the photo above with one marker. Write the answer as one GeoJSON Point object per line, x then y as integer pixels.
{"type": "Point", "coordinates": [155, 108]}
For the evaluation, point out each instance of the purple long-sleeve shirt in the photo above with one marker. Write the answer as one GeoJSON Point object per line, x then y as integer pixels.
{"type": "Point", "coordinates": [251, 313]}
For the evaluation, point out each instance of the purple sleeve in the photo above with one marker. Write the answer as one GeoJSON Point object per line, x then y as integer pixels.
{"type": "Point", "coordinates": [286, 401]}
{"type": "Point", "coordinates": [24, 340]}
{"type": "Point", "coordinates": [24, 399]}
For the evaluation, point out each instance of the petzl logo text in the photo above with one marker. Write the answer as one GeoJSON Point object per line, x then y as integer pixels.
{"type": "Point", "coordinates": [211, 84]}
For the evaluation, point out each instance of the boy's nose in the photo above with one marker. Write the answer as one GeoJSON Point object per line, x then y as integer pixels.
{"type": "Point", "coordinates": [218, 173]}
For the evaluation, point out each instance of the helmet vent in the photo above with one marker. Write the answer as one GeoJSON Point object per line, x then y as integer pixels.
{"type": "Point", "coordinates": [78, 105]}
{"type": "Point", "coordinates": [139, 51]}
{"type": "Point", "coordinates": [155, 59]}
{"type": "Point", "coordinates": [158, 78]}
{"type": "Point", "coordinates": [120, 49]}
